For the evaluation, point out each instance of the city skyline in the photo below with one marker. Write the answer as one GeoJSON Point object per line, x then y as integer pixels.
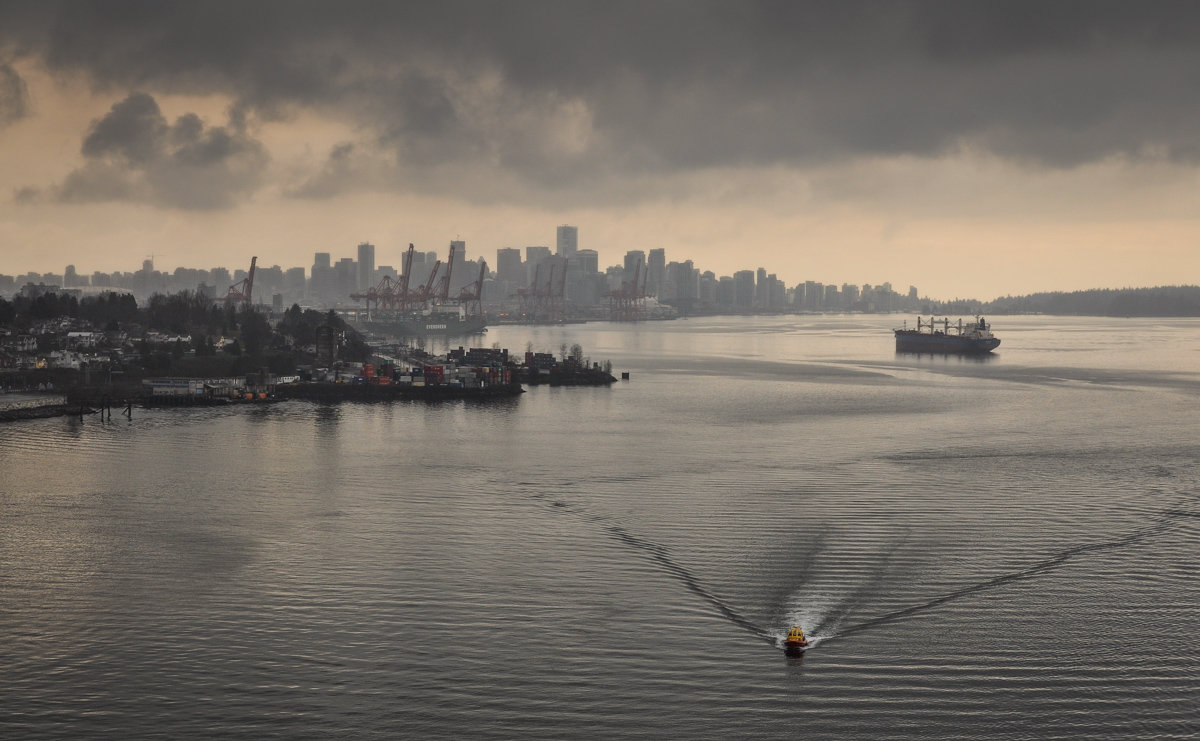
{"type": "Point", "coordinates": [344, 280]}
{"type": "Point", "coordinates": [970, 149]}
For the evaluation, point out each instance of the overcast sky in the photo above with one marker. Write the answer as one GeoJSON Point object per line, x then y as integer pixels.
{"type": "Point", "coordinates": [970, 149]}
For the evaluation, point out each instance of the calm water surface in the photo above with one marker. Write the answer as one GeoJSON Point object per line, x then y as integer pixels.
{"type": "Point", "coordinates": [999, 548]}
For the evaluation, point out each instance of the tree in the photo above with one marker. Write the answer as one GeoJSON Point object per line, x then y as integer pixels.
{"type": "Point", "coordinates": [256, 332]}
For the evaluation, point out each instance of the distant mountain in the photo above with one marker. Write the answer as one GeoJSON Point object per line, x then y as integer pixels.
{"type": "Point", "coordinates": [1159, 301]}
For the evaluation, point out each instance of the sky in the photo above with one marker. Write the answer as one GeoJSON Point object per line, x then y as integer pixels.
{"type": "Point", "coordinates": [972, 149]}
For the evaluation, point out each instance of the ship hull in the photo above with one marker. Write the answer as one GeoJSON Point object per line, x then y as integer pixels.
{"type": "Point", "coordinates": [425, 325]}
{"type": "Point", "coordinates": [923, 342]}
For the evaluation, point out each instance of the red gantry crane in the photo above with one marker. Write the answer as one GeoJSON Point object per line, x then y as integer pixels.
{"type": "Point", "coordinates": [240, 293]}
{"type": "Point", "coordinates": [471, 295]}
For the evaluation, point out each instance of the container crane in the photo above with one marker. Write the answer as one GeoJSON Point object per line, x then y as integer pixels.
{"type": "Point", "coordinates": [241, 292]}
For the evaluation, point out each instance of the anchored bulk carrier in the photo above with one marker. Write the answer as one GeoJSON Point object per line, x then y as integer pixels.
{"type": "Point", "coordinates": [939, 336]}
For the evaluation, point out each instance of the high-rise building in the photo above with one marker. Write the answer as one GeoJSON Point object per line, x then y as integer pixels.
{"type": "Point", "coordinates": [568, 241]}
{"type": "Point", "coordinates": [345, 274]}
{"type": "Point", "coordinates": [293, 284]}
{"type": "Point", "coordinates": [534, 256]}
{"type": "Point", "coordinates": [589, 261]}
{"type": "Point", "coordinates": [743, 284]}
{"type": "Point", "coordinates": [682, 282]}
{"type": "Point", "coordinates": [459, 268]}
{"type": "Point", "coordinates": [321, 276]}
{"type": "Point", "coordinates": [508, 265]}
{"type": "Point", "coordinates": [708, 288]}
{"type": "Point", "coordinates": [814, 294]}
{"type": "Point", "coordinates": [726, 292]}
{"type": "Point", "coordinates": [366, 266]}
{"type": "Point", "coordinates": [656, 267]}
{"type": "Point", "coordinates": [635, 266]}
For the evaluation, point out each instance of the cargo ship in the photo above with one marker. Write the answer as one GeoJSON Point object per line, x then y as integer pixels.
{"type": "Point", "coordinates": [442, 320]}
{"type": "Point", "coordinates": [938, 336]}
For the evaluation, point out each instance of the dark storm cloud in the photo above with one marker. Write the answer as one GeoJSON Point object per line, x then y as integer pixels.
{"type": "Point", "coordinates": [561, 94]}
{"type": "Point", "coordinates": [14, 97]}
{"type": "Point", "coordinates": [134, 154]}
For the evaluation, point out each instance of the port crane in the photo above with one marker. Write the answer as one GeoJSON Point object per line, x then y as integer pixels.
{"type": "Point", "coordinates": [546, 301]}
{"type": "Point", "coordinates": [628, 303]}
{"type": "Point", "coordinates": [240, 293]}
{"type": "Point", "coordinates": [471, 295]}
{"type": "Point", "coordinates": [400, 295]}
{"type": "Point", "coordinates": [425, 293]}
{"type": "Point", "coordinates": [443, 293]}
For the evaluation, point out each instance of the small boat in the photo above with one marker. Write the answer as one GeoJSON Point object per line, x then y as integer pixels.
{"type": "Point", "coordinates": [795, 641]}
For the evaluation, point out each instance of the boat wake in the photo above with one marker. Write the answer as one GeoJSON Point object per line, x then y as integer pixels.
{"type": "Point", "coordinates": [1164, 523]}
{"type": "Point", "coordinates": [823, 616]}
{"type": "Point", "coordinates": [661, 556]}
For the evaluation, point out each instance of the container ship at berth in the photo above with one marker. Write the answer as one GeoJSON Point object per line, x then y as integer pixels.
{"type": "Point", "coordinates": [399, 308]}
{"type": "Point", "coordinates": [938, 336]}
{"type": "Point", "coordinates": [440, 320]}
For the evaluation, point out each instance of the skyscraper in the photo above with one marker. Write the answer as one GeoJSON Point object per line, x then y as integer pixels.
{"type": "Point", "coordinates": [589, 261]}
{"type": "Point", "coordinates": [321, 275]}
{"type": "Point", "coordinates": [635, 267]}
{"type": "Point", "coordinates": [568, 241]}
{"type": "Point", "coordinates": [459, 246]}
{"type": "Point", "coordinates": [743, 281]}
{"type": "Point", "coordinates": [534, 256]}
{"type": "Point", "coordinates": [657, 266]}
{"type": "Point", "coordinates": [366, 266]}
{"type": "Point", "coordinates": [508, 265]}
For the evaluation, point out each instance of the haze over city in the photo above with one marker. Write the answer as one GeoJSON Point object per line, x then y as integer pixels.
{"type": "Point", "coordinates": [970, 149]}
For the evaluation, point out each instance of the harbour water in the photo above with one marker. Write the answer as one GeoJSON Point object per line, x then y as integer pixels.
{"type": "Point", "coordinates": [1002, 547]}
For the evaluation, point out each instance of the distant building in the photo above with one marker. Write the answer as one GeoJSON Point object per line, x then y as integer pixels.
{"type": "Point", "coordinates": [321, 274]}
{"type": "Point", "coordinates": [509, 267]}
{"type": "Point", "coordinates": [293, 284]}
{"type": "Point", "coordinates": [708, 288]}
{"type": "Point", "coordinates": [459, 268]}
{"type": "Point", "coordinates": [534, 256]}
{"type": "Point", "coordinates": [345, 279]}
{"type": "Point", "coordinates": [366, 266]}
{"type": "Point", "coordinates": [635, 266]}
{"type": "Point", "coordinates": [656, 267]}
{"type": "Point", "coordinates": [743, 284]}
{"type": "Point", "coordinates": [568, 241]}
{"type": "Point", "coordinates": [726, 292]}
{"type": "Point", "coordinates": [682, 283]}
{"type": "Point", "coordinates": [589, 261]}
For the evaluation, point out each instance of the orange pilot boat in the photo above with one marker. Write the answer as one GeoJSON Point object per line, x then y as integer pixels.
{"type": "Point", "coordinates": [795, 641]}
